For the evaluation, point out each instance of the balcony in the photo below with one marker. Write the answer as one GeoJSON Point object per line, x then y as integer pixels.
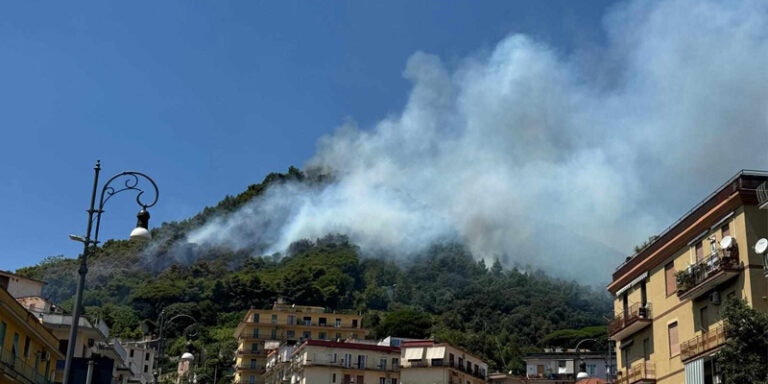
{"type": "Point", "coordinates": [762, 195]}
{"type": "Point", "coordinates": [250, 352]}
{"type": "Point", "coordinates": [708, 273]}
{"type": "Point", "coordinates": [626, 324]}
{"type": "Point", "coordinates": [15, 367]}
{"type": "Point", "coordinates": [639, 373]}
{"type": "Point", "coordinates": [354, 365]}
{"type": "Point", "coordinates": [703, 343]}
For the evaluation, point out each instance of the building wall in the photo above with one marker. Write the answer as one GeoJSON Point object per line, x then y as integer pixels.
{"type": "Point", "coordinates": [439, 369]}
{"type": "Point", "coordinates": [286, 323]}
{"type": "Point", "coordinates": [695, 317]}
{"type": "Point", "coordinates": [18, 286]}
{"type": "Point", "coordinates": [23, 338]}
{"type": "Point", "coordinates": [141, 360]}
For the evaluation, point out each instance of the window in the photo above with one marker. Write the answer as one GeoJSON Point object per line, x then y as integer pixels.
{"type": "Point", "coordinates": [354, 323]}
{"type": "Point", "coordinates": [726, 230]}
{"type": "Point", "coordinates": [131, 353]}
{"type": "Point", "coordinates": [307, 335]}
{"type": "Point", "coordinates": [291, 320]}
{"type": "Point", "coordinates": [338, 336]}
{"type": "Point", "coordinates": [361, 361]}
{"type": "Point", "coordinates": [146, 356]}
{"type": "Point", "coordinates": [333, 378]}
{"type": "Point", "coordinates": [674, 345]}
{"type": "Point", "coordinates": [255, 333]}
{"type": "Point", "coordinates": [646, 349]}
{"type": "Point", "coordinates": [146, 368]}
{"type": "Point", "coordinates": [26, 347]}
{"type": "Point", "coordinates": [383, 364]}
{"type": "Point", "coordinates": [323, 322]}
{"type": "Point", "coordinates": [333, 359]}
{"type": "Point", "coordinates": [274, 334]}
{"type": "Point", "coordinates": [253, 364]}
{"type": "Point", "coordinates": [561, 363]}
{"type": "Point", "coordinates": [394, 381]}
{"type": "Point", "coordinates": [307, 320]}
{"type": "Point", "coordinates": [251, 379]}
{"type": "Point", "coordinates": [255, 317]}
{"type": "Point", "coordinates": [15, 350]}
{"type": "Point", "coordinates": [338, 323]}
{"type": "Point", "coordinates": [450, 359]}
{"type": "Point", "coordinates": [382, 380]}
{"type": "Point", "coordinates": [2, 334]}
{"type": "Point", "coordinates": [254, 347]}
{"type": "Point", "coordinates": [321, 335]}
{"type": "Point", "coordinates": [291, 334]}
{"type": "Point", "coordinates": [348, 360]}
{"type": "Point", "coordinates": [703, 318]}
{"type": "Point", "coordinates": [274, 319]}
{"type": "Point", "coordinates": [699, 249]}
{"type": "Point", "coordinates": [395, 362]}
{"type": "Point", "coordinates": [591, 369]}
{"type": "Point", "coordinates": [669, 275]}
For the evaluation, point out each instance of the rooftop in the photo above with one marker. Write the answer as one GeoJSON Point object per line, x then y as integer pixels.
{"type": "Point", "coordinates": [744, 182]}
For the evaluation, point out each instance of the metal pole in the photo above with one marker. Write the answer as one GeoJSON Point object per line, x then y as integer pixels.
{"type": "Point", "coordinates": [81, 283]}
{"type": "Point", "coordinates": [89, 376]}
{"type": "Point", "coordinates": [158, 371]}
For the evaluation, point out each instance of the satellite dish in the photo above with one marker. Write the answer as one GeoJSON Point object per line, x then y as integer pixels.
{"type": "Point", "coordinates": [761, 246]}
{"type": "Point", "coordinates": [726, 242]}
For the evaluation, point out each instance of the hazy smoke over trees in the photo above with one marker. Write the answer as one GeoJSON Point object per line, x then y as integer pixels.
{"type": "Point", "coordinates": [538, 157]}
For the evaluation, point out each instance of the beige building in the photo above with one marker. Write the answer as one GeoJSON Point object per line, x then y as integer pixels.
{"type": "Point", "coordinates": [668, 297]}
{"type": "Point", "coordinates": [20, 286]}
{"type": "Point", "coordinates": [431, 362]}
{"type": "Point", "coordinates": [321, 362]}
{"type": "Point", "coordinates": [262, 330]}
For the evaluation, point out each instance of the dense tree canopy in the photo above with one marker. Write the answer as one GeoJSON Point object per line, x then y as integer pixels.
{"type": "Point", "coordinates": [444, 292]}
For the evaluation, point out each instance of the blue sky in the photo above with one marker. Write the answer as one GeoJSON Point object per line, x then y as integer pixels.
{"type": "Point", "coordinates": [208, 97]}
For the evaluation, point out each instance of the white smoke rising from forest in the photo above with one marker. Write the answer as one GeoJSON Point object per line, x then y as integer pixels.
{"type": "Point", "coordinates": [538, 157]}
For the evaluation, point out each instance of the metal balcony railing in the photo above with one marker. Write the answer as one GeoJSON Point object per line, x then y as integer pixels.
{"type": "Point", "coordinates": [634, 313]}
{"type": "Point", "coordinates": [762, 193]}
{"type": "Point", "coordinates": [642, 372]}
{"type": "Point", "coordinates": [18, 365]}
{"type": "Point", "coordinates": [698, 273]}
{"type": "Point", "coordinates": [707, 341]}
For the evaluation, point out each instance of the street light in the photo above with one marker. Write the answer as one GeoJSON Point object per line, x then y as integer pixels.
{"type": "Point", "coordinates": [162, 323]}
{"type": "Point", "coordinates": [582, 364]}
{"type": "Point", "coordinates": [130, 182]}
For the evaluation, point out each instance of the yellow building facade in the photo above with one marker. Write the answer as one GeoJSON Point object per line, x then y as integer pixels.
{"type": "Point", "coordinates": [668, 297]}
{"type": "Point", "coordinates": [28, 351]}
{"type": "Point", "coordinates": [262, 330]}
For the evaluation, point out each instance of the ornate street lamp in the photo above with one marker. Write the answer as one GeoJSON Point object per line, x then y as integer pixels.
{"type": "Point", "coordinates": [130, 182]}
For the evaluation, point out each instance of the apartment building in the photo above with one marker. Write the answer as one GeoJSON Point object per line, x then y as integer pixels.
{"type": "Point", "coordinates": [140, 358]}
{"type": "Point", "coordinates": [561, 367]}
{"type": "Point", "coordinates": [429, 361]}
{"type": "Point", "coordinates": [669, 295]}
{"type": "Point", "coordinates": [28, 351]}
{"type": "Point", "coordinates": [322, 361]}
{"type": "Point", "coordinates": [262, 330]}
{"type": "Point", "coordinates": [20, 286]}
{"type": "Point", "coordinates": [278, 368]}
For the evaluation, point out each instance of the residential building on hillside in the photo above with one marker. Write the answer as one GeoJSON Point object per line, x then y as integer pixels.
{"type": "Point", "coordinates": [140, 359]}
{"type": "Point", "coordinates": [28, 351]}
{"type": "Point", "coordinates": [561, 367]}
{"type": "Point", "coordinates": [429, 361]}
{"type": "Point", "coordinates": [322, 361]}
{"type": "Point", "coordinates": [20, 286]}
{"type": "Point", "coordinates": [261, 330]}
{"type": "Point", "coordinates": [669, 295]}
{"type": "Point", "coordinates": [278, 368]}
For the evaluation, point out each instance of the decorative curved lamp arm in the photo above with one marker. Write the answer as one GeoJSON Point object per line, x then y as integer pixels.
{"type": "Point", "coordinates": [130, 181]}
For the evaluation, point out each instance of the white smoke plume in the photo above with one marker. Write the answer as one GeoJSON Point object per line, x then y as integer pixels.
{"type": "Point", "coordinates": [560, 161]}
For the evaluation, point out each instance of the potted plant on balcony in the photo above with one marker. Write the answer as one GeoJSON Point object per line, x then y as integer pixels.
{"type": "Point", "coordinates": [684, 281]}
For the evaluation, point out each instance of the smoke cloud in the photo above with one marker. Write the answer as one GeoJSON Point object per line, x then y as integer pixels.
{"type": "Point", "coordinates": [560, 161]}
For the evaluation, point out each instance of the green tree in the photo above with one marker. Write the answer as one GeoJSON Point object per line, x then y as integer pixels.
{"type": "Point", "coordinates": [744, 358]}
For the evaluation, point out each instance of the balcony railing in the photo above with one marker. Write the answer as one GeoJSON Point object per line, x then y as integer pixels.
{"type": "Point", "coordinates": [635, 313]}
{"type": "Point", "coordinates": [762, 194]}
{"type": "Point", "coordinates": [707, 270]}
{"type": "Point", "coordinates": [354, 365]}
{"type": "Point", "coordinates": [20, 367]}
{"type": "Point", "coordinates": [642, 372]}
{"type": "Point", "coordinates": [707, 341]}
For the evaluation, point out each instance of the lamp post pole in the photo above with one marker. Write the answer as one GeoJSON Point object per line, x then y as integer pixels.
{"type": "Point", "coordinates": [131, 181]}
{"type": "Point", "coordinates": [161, 322]}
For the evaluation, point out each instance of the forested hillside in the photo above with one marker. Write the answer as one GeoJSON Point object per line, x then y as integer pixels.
{"type": "Point", "coordinates": [443, 292]}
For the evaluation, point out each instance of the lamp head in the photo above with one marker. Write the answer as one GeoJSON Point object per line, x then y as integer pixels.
{"type": "Point", "coordinates": [582, 375]}
{"type": "Point", "coordinates": [141, 232]}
